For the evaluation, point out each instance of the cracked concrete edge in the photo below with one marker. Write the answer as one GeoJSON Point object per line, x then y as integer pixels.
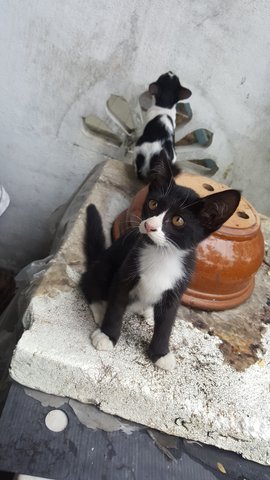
{"type": "Point", "coordinates": [255, 450]}
{"type": "Point", "coordinates": [93, 386]}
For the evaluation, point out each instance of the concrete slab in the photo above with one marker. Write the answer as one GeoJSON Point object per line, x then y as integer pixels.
{"type": "Point", "coordinates": [218, 393]}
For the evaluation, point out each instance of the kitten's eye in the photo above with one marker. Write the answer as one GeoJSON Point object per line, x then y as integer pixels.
{"type": "Point", "coordinates": [177, 221]}
{"type": "Point", "coordinates": [152, 204]}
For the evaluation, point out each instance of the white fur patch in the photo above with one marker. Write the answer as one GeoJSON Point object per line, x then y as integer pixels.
{"type": "Point", "coordinates": [159, 270]}
{"type": "Point", "coordinates": [166, 122]}
{"type": "Point", "coordinates": [154, 111]}
{"type": "Point", "coordinates": [101, 341]}
{"type": "Point", "coordinates": [148, 149]}
{"type": "Point", "coordinates": [98, 310]}
{"type": "Point", "coordinates": [167, 362]}
{"type": "Point", "coordinates": [148, 315]}
{"type": "Point", "coordinates": [158, 236]}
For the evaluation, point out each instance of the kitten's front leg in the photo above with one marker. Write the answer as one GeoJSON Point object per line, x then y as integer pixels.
{"type": "Point", "coordinates": [107, 336]}
{"type": "Point", "coordinates": [164, 316]}
{"type": "Point", "coordinates": [98, 311]}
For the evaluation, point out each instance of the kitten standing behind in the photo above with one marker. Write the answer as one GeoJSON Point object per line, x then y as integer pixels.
{"type": "Point", "coordinates": [150, 266]}
{"type": "Point", "coordinates": [159, 130]}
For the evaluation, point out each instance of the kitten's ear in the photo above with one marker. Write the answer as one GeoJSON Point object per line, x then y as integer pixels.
{"type": "Point", "coordinates": [184, 93]}
{"type": "Point", "coordinates": [153, 89]}
{"type": "Point", "coordinates": [217, 208]}
{"type": "Point", "coordinates": [162, 171]}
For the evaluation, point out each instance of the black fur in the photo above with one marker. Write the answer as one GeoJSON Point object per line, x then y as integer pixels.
{"type": "Point", "coordinates": [94, 237]}
{"type": "Point", "coordinates": [112, 273]}
{"type": "Point", "coordinates": [168, 90]}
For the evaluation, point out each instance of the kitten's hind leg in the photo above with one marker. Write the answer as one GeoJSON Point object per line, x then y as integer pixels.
{"type": "Point", "coordinates": [148, 316]}
{"type": "Point", "coordinates": [98, 310]}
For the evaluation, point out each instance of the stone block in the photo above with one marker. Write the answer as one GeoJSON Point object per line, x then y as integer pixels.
{"type": "Point", "coordinates": [219, 392]}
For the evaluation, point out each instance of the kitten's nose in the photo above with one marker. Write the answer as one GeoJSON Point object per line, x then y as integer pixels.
{"type": "Point", "coordinates": [149, 228]}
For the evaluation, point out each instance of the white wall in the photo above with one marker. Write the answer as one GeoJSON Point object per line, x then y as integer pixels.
{"type": "Point", "coordinates": [60, 60]}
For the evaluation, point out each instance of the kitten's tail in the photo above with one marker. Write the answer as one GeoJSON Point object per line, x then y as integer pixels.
{"type": "Point", "coordinates": [94, 243]}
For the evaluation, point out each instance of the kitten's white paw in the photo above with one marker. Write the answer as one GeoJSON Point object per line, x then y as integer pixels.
{"type": "Point", "coordinates": [98, 311]}
{"type": "Point", "coordinates": [167, 362]}
{"type": "Point", "coordinates": [101, 341]}
{"type": "Point", "coordinates": [148, 316]}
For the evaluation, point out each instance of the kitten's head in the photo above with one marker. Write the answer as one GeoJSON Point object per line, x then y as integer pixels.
{"type": "Point", "coordinates": [168, 90]}
{"type": "Point", "coordinates": [176, 215]}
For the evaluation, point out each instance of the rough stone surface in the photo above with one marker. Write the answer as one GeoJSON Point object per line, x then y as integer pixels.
{"type": "Point", "coordinates": [218, 393]}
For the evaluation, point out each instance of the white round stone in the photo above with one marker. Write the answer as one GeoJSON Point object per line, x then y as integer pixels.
{"type": "Point", "coordinates": [56, 420]}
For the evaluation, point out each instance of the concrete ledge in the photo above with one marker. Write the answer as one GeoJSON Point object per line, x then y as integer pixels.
{"type": "Point", "coordinates": [219, 392]}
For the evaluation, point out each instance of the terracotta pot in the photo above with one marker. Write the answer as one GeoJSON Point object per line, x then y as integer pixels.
{"type": "Point", "coordinates": [226, 261]}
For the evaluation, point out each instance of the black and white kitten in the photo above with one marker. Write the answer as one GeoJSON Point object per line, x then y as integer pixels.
{"type": "Point", "coordinates": [159, 130]}
{"type": "Point", "coordinates": [150, 266]}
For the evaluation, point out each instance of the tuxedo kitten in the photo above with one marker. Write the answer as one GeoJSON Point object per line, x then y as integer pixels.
{"type": "Point", "coordinates": [159, 130]}
{"type": "Point", "coordinates": [150, 266]}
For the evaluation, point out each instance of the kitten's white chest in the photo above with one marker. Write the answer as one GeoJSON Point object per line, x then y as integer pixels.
{"type": "Point", "coordinates": [159, 269]}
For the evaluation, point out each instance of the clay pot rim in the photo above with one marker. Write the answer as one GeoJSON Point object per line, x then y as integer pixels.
{"type": "Point", "coordinates": [216, 302]}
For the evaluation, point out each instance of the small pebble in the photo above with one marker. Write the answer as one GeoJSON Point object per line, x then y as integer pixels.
{"type": "Point", "coordinates": [221, 467]}
{"type": "Point", "coordinates": [56, 420]}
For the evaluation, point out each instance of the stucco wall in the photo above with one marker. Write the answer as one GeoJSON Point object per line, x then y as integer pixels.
{"type": "Point", "coordinates": [60, 60]}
